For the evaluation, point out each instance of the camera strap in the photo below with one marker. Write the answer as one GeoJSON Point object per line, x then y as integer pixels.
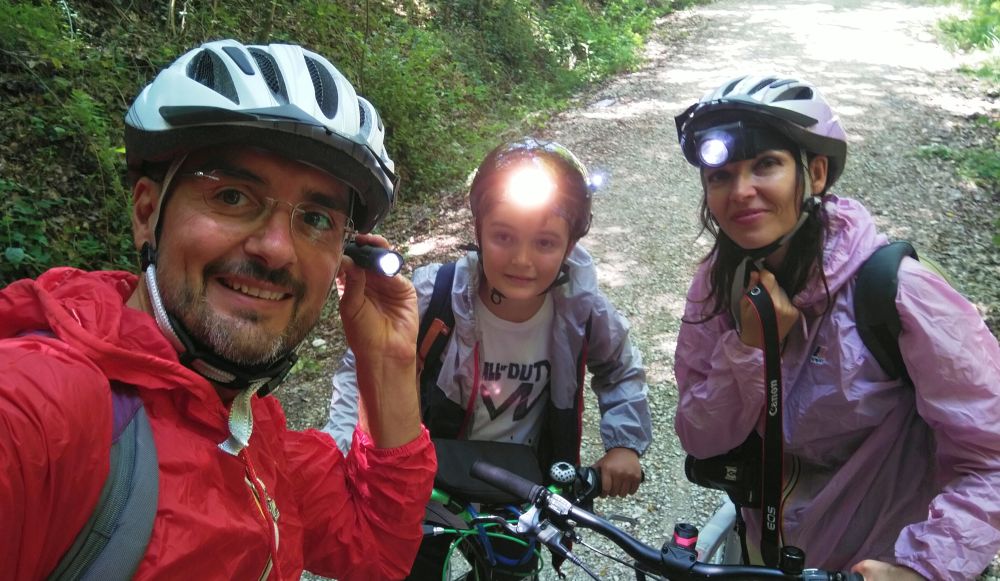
{"type": "Point", "coordinates": [773, 448]}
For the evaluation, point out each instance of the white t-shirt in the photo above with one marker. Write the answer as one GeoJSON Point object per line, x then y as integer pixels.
{"type": "Point", "coordinates": [514, 376]}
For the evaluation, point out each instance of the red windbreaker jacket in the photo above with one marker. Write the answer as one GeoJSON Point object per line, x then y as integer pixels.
{"type": "Point", "coordinates": [353, 518]}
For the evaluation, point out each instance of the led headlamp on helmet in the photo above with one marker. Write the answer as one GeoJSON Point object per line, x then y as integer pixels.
{"type": "Point", "coordinates": [550, 170]}
{"type": "Point", "coordinates": [788, 107]}
{"type": "Point", "coordinates": [534, 173]}
{"type": "Point", "coordinates": [280, 98]}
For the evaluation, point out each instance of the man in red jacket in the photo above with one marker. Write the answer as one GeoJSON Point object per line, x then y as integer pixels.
{"type": "Point", "coordinates": [251, 166]}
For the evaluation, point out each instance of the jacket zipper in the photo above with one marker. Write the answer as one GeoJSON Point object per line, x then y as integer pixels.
{"type": "Point", "coordinates": [266, 507]}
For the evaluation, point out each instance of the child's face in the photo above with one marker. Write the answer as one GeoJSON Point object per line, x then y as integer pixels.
{"type": "Point", "coordinates": [522, 249]}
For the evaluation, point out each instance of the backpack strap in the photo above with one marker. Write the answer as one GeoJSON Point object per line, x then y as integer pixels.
{"type": "Point", "coordinates": [113, 541]}
{"type": "Point", "coordinates": [442, 416]}
{"type": "Point", "coordinates": [875, 311]}
{"type": "Point", "coordinates": [439, 319]}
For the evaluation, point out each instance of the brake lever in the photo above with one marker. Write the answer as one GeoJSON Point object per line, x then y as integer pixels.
{"type": "Point", "coordinates": [528, 521]}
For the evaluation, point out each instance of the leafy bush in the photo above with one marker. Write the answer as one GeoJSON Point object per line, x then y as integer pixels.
{"type": "Point", "coordinates": [981, 29]}
{"type": "Point", "coordinates": [448, 76]}
{"type": "Point", "coordinates": [61, 197]}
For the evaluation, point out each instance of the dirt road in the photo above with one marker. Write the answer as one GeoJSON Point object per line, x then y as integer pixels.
{"type": "Point", "coordinates": [897, 91]}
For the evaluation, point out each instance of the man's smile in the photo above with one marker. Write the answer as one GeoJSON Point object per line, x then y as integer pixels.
{"type": "Point", "coordinates": [254, 289]}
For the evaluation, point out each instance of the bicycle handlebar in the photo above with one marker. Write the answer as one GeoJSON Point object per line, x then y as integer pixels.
{"type": "Point", "coordinates": [678, 565]}
{"type": "Point", "coordinates": [506, 480]}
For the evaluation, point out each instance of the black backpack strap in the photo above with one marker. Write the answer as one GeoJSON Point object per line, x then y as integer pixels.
{"type": "Point", "coordinates": [438, 320]}
{"type": "Point", "coordinates": [113, 541]}
{"type": "Point", "coordinates": [875, 311]}
{"type": "Point", "coordinates": [442, 416]}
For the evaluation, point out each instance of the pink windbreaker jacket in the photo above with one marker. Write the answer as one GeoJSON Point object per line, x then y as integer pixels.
{"type": "Point", "coordinates": [873, 468]}
{"type": "Point", "coordinates": [353, 518]}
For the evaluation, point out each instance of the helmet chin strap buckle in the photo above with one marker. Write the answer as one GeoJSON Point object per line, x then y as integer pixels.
{"type": "Point", "coordinates": [147, 255]}
{"type": "Point", "coordinates": [228, 374]}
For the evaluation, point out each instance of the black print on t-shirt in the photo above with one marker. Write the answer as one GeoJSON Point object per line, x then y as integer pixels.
{"type": "Point", "coordinates": [530, 375]}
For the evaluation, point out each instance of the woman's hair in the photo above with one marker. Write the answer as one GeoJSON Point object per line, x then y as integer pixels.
{"type": "Point", "coordinates": [803, 259]}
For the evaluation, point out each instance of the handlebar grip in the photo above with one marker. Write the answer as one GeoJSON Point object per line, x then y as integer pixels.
{"type": "Point", "coordinates": [506, 481]}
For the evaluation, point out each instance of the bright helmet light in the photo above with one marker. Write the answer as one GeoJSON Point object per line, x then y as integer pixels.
{"type": "Point", "coordinates": [713, 152]}
{"type": "Point", "coordinates": [596, 180]}
{"type": "Point", "coordinates": [530, 186]}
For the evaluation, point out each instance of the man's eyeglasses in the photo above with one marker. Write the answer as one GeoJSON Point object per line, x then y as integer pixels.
{"type": "Point", "coordinates": [235, 202]}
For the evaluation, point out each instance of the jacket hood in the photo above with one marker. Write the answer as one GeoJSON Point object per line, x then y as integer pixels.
{"type": "Point", "coordinates": [86, 310]}
{"type": "Point", "coordinates": [851, 239]}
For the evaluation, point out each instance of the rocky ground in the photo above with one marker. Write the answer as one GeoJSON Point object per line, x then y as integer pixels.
{"type": "Point", "coordinates": [898, 92]}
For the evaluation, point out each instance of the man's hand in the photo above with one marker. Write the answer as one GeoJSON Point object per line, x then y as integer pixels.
{"type": "Point", "coordinates": [784, 309]}
{"type": "Point", "coordinates": [873, 570]}
{"type": "Point", "coordinates": [380, 323]}
{"type": "Point", "coordinates": [620, 472]}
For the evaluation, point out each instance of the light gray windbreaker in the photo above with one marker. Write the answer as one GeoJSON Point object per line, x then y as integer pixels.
{"type": "Point", "coordinates": [619, 379]}
{"type": "Point", "coordinates": [875, 469]}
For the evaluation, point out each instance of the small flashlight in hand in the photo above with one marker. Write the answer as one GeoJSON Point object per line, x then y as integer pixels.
{"type": "Point", "coordinates": [375, 258]}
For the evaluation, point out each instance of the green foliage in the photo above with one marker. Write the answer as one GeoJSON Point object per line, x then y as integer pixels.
{"type": "Point", "coordinates": [980, 164]}
{"type": "Point", "coordinates": [981, 29]}
{"type": "Point", "coordinates": [61, 198]}
{"type": "Point", "coordinates": [450, 77]}
{"type": "Point", "coordinates": [989, 71]}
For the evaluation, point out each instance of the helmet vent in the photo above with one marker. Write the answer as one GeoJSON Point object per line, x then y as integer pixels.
{"type": "Point", "coordinates": [324, 86]}
{"type": "Point", "coordinates": [209, 70]}
{"type": "Point", "coordinates": [731, 86]}
{"type": "Point", "coordinates": [364, 115]}
{"type": "Point", "coordinates": [782, 83]}
{"type": "Point", "coordinates": [796, 94]}
{"type": "Point", "coordinates": [269, 70]}
{"type": "Point", "coordinates": [762, 84]}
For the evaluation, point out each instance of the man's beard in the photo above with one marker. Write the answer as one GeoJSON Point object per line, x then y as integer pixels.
{"type": "Point", "coordinates": [238, 337]}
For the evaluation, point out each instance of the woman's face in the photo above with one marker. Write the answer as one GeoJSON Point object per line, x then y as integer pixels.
{"type": "Point", "coordinates": [754, 201]}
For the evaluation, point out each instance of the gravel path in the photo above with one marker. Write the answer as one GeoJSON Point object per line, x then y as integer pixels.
{"type": "Point", "coordinates": [896, 89]}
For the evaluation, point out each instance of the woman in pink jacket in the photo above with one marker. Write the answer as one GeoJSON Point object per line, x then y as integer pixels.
{"type": "Point", "coordinates": [892, 480]}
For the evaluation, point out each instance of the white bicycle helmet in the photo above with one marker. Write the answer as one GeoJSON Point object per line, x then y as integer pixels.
{"type": "Point", "coordinates": [280, 97]}
{"type": "Point", "coordinates": [792, 107]}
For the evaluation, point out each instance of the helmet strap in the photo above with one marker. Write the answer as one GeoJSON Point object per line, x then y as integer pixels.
{"type": "Point", "coordinates": [204, 361]}
{"type": "Point", "coordinates": [496, 297]}
{"type": "Point", "coordinates": [561, 278]}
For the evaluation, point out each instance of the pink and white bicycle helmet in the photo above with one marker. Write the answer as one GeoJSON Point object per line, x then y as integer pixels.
{"type": "Point", "coordinates": [280, 97]}
{"type": "Point", "coordinates": [792, 107]}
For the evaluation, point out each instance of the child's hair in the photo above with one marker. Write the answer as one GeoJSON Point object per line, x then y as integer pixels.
{"type": "Point", "coordinates": [571, 193]}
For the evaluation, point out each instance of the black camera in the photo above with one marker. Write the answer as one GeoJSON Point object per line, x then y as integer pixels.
{"type": "Point", "coordinates": [737, 472]}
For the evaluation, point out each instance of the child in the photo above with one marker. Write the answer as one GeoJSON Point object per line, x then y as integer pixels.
{"type": "Point", "coordinates": [528, 317]}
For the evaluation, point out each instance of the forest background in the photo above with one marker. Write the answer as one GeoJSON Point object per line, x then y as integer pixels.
{"type": "Point", "coordinates": [449, 77]}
